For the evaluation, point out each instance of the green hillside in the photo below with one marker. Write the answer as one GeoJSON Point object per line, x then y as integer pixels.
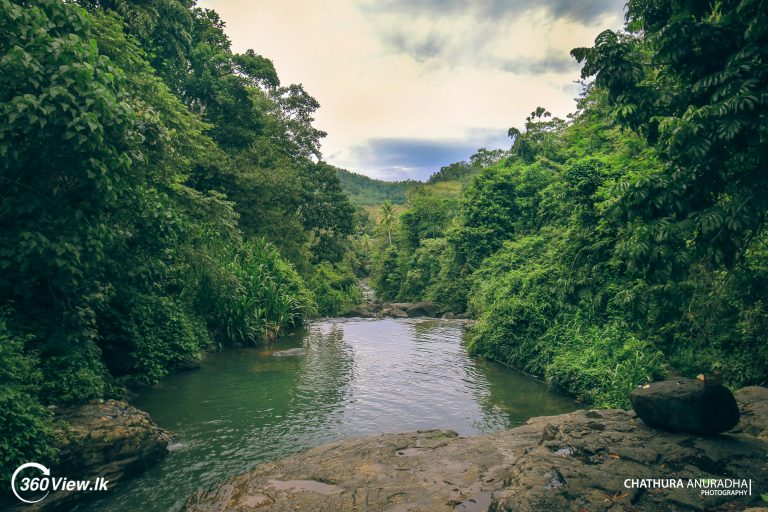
{"type": "Point", "coordinates": [449, 181]}
{"type": "Point", "coordinates": [365, 191]}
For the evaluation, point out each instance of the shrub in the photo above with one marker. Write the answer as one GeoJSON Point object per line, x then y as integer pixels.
{"type": "Point", "coordinates": [148, 335]}
{"type": "Point", "coordinates": [600, 364]}
{"type": "Point", "coordinates": [26, 428]}
{"type": "Point", "coordinates": [246, 292]}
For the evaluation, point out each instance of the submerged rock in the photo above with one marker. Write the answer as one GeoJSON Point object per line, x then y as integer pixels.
{"type": "Point", "coordinates": [188, 364]}
{"type": "Point", "coordinates": [586, 460]}
{"type": "Point", "coordinates": [685, 405]}
{"type": "Point", "coordinates": [290, 352]}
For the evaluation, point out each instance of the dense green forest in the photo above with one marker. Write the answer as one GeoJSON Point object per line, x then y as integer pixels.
{"type": "Point", "coordinates": [626, 242]}
{"type": "Point", "coordinates": [162, 195]}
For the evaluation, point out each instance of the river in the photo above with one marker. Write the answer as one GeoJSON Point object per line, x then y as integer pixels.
{"type": "Point", "coordinates": [356, 377]}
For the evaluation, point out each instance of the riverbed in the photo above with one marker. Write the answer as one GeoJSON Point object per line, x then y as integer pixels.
{"type": "Point", "coordinates": [354, 377]}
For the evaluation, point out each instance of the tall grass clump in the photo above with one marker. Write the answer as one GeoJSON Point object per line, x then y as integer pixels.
{"type": "Point", "coordinates": [246, 293]}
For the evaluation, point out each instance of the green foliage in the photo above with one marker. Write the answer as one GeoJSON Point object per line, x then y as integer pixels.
{"type": "Point", "coordinates": [70, 139]}
{"type": "Point", "coordinates": [143, 164]}
{"type": "Point", "coordinates": [576, 264]}
{"type": "Point", "coordinates": [246, 292]}
{"type": "Point", "coordinates": [148, 336]}
{"type": "Point", "coordinates": [26, 429]}
{"type": "Point", "coordinates": [423, 269]}
{"type": "Point", "coordinates": [600, 364]}
{"type": "Point", "coordinates": [385, 273]}
{"type": "Point", "coordinates": [335, 288]}
{"type": "Point", "coordinates": [691, 79]}
{"type": "Point", "coordinates": [427, 216]}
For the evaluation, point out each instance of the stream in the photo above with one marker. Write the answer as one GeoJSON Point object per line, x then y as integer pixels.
{"type": "Point", "coordinates": [354, 377]}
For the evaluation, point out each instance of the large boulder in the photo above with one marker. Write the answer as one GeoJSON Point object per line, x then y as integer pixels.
{"type": "Point", "coordinates": [421, 309]}
{"type": "Point", "coordinates": [685, 405]}
{"type": "Point", "coordinates": [110, 438]}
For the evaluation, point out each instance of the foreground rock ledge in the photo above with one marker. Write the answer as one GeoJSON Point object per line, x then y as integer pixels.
{"type": "Point", "coordinates": [104, 438]}
{"type": "Point", "coordinates": [576, 461]}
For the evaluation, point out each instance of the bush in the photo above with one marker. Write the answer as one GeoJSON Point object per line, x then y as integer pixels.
{"type": "Point", "coordinates": [148, 335]}
{"type": "Point", "coordinates": [600, 364]}
{"type": "Point", "coordinates": [26, 429]}
{"type": "Point", "coordinates": [423, 269]}
{"type": "Point", "coordinates": [335, 289]}
{"type": "Point", "coordinates": [246, 292]}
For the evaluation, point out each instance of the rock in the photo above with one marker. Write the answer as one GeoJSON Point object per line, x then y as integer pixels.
{"type": "Point", "coordinates": [449, 316]}
{"type": "Point", "coordinates": [685, 405]}
{"type": "Point", "coordinates": [187, 365]}
{"type": "Point", "coordinates": [357, 312]}
{"type": "Point", "coordinates": [753, 402]}
{"type": "Point", "coordinates": [577, 461]}
{"type": "Point", "coordinates": [393, 312]}
{"type": "Point", "coordinates": [104, 438]}
{"type": "Point", "coordinates": [421, 309]}
{"type": "Point", "coordinates": [290, 352]}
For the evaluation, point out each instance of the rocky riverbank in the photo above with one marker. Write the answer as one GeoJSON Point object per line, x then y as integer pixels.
{"type": "Point", "coordinates": [107, 439]}
{"type": "Point", "coordinates": [580, 461]}
{"type": "Point", "coordinates": [377, 309]}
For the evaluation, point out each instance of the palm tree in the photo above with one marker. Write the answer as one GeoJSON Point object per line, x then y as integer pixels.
{"type": "Point", "coordinates": [387, 218]}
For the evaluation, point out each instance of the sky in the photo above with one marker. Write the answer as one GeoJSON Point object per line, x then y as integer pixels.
{"type": "Point", "coordinates": [408, 86]}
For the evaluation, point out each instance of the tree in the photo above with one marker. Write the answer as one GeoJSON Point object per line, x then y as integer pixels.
{"type": "Point", "coordinates": [691, 77]}
{"type": "Point", "coordinates": [388, 219]}
{"type": "Point", "coordinates": [539, 137]}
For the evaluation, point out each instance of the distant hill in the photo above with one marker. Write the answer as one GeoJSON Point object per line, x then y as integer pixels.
{"type": "Point", "coordinates": [365, 191]}
{"type": "Point", "coordinates": [449, 181]}
{"type": "Point", "coordinates": [458, 171]}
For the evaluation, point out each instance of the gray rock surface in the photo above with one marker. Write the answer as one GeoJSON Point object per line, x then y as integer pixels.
{"type": "Point", "coordinates": [572, 462]}
{"type": "Point", "coordinates": [391, 311]}
{"type": "Point", "coordinates": [685, 405]}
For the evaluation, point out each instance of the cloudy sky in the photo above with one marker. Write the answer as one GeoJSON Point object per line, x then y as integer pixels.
{"type": "Point", "coordinates": [407, 86]}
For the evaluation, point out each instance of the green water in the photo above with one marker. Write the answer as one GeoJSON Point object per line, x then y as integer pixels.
{"type": "Point", "coordinates": [357, 377]}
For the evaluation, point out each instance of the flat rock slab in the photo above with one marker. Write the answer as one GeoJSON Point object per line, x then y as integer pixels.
{"type": "Point", "coordinates": [753, 402]}
{"type": "Point", "coordinates": [577, 461]}
{"type": "Point", "coordinates": [685, 405]}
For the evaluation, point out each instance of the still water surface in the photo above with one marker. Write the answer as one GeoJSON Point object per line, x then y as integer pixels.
{"type": "Point", "coordinates": [357, 377]}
